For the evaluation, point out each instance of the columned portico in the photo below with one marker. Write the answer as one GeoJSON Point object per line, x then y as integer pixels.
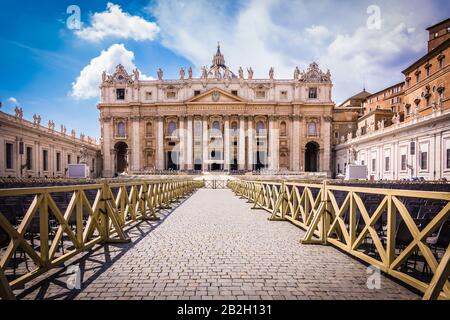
{"type": "Point", "coordinates": [227, 143]}
{"type": "Point", "coordinates": [241, 142]}
{"type": "Point", "coordinates": [250, 138]}
{"type": "Point", "coordinates": [205, 157]}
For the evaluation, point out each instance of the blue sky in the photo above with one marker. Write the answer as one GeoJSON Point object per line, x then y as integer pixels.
{"type": "Point", "coordinates": [52, 70]}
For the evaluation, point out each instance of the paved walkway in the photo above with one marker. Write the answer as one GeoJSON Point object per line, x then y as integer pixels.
{"type": "Point", "coordinates": [213, 246]}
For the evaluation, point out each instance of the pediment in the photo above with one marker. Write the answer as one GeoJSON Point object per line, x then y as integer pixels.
{"type": "Point", "coordinates": [215, 95]}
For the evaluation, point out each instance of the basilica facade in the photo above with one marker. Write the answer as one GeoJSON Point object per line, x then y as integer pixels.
{"type": "Point", "coordinates": [219, 121]}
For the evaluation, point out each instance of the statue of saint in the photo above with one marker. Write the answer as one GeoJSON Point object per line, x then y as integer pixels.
{"type": "Point", "coordinates": [250, 73]}
{"type": "Point", "coordinates": [160, 74]}
{"type": "Point", "coordinates": [182, 74]}
{"type": "Point", "coordinates": [296, 73]}
{"type": "Point", "coordinates": [136, 74]}
{"type": "Point", "coordinates": [241, 73]}
{"type": "Point", "coordinates": [190, 73]}
{"type": "Point", "coordinates": [271, 73]}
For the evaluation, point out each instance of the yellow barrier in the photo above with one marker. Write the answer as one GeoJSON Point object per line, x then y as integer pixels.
{"type": "Point", "coordinates": [114, 206]}
{"type": "Point", "coordinates": [314, 208]}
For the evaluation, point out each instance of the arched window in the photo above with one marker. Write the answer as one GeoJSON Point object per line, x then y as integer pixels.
{"type": "Point", "coordinates": [171, 128]}
{"type": "Point", "coordinates": [234, 127]}
{"type": "Point", "coordinates": [149, 129]}
{"type": "Point", "coordinates": [312, 129]}
{"type": "Point", "coordinates": [260, 128]}
{"type": "Point", "coordinates": [121, 129]}
{"type": "Point", "coordinates": [283, 128]}
{"type": "Point", "coordinates": [216, 125]}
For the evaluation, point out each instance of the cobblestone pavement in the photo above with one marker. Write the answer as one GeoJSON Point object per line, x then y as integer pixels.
{"type": "Point", "coordinates": [213, 246]}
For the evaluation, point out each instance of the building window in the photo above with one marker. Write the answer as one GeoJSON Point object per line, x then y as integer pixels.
{"type": "Point", "coordinates": [283, 95]}
{"type": "Point", "coordinates": [69, 159]}
{"type": "Point", "coordinates": [171, 128]}
{"type": "Point", "coordinates": [403, 162]}
{"type": "Point", "coordinates": [58, 162]}
{"type": "Point", "coordinates": [196, 92]}
{"type": "Point", "coordinates": [374, 165]}
{"type": "Point", "coordinates": [362, 162]}
{"type": "Point", "coordinates": [441, 63]}
{"type": "Point", "coordinates": [312, 93]}
{"type": "Point", "coordinates": [149, 129]}
{"type": "Point", "coordinates": [234, 127]}
{"type": "Point", "coordinates": [120, 94]}
{"type": "Point", "coordinates": [260, 128]}
{"type": "Point", "coordinates": [424, 160]}
{"type": "Point", "coordinates": [148, 95]}
{"type": "Point", "coordinates": [45, 160]}
{"type": "Point", "coordinates": [417, 77]}
{"type": "Point", "coordinates": [436, 34]}
{"type": "Point", "coordinates": [260, 94]}
{"type": "Point", "coordinates": [312, 129]}
{"type": "Point", "coordinates": [29, 159]}
{"type": "Point", "coordinates": [93, 163]}
{"type": "Point", "coordinates": [387, 163]}
{"type": "Point", "coordinates": [283, 128]}
{"type": "Point", "coordinates": [78, 159]}
{"type": "Point", "coordinates": [121, 129]}
{"type": "Point", "coordinates": [234, 92]}
{"type": "Point", "coordinates": [171, 94]}
{"type": "Point", "coordinates": [448, 159]}
{"type": "Point", "coordinates": [9, 156]}
{"type": "Point", "coordinates": [407, 110]}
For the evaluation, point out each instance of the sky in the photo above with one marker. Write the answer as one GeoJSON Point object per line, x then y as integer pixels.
{"type": "Point", "coordinates": [51, 65]}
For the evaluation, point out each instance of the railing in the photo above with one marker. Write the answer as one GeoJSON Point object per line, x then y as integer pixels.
{"type": "Point", "coordinates": [379, 226]}
{"type": "Point", "coordinates": [50, 225]}
{"type": "Point", "coordinates": [215, 184]}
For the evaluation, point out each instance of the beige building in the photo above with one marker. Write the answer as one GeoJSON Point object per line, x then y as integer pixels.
{"type": "Point", "coordinates": [29, 149]}
{"type": "Point", "coordinates": [405, 129]}
{"type": "Point", "coordinates": [218, 121]}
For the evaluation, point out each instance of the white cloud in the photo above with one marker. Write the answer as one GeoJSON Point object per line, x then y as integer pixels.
{"type": "Point", "coordinates": [13, 100]}
{"type": "Point", "coordinates": [87, 84]}
{"type": "Point", "coordinates": [264, 33]}
{"type": "Point", "coordinates": [115, 23]}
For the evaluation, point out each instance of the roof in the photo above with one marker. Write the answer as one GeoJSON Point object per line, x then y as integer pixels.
{"type": "Point", "coordinates": [438, 24]}
{"type": "Point", "coordinates": [387, 88]}
{"type": "Point", "coordinates": [428, 56]}
{"type": "Point", "coordinates": [361, 95]}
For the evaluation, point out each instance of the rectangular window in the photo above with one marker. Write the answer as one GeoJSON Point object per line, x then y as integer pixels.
{"type": "Point", "coordinates": [45, 160]}
{"type": "Point", "coordinates": [120, 94]}
{"type": "Point", "coordinates": [29, 159]}
{"type": "Point", "coordinates": [403, 162]}
{"type": "Point", "coordinates": [428, 71]}
{"type": "Point", "coordinates": [417, 77]}
{"type": "Point", "coordinates": [312, 93]}
{"type": "Point", "coordinates": [196, 92]}
{"type": "Point", "coordinates": [374, 165]}
{"type": "Point", "coordinates": [441, 63]}
{"type": "Point", "coordinates": [93, 163]}
{"type": "Point", "coordinates": [171, 95]}
{"type": "Point", "coordinates": [78, 159]}
{"type": "Point", "coordinates": [362, 162]}
{"type": "Point", "coordinates": [283, 95]}
{"type": "Point", "coordinates": [424, 160]}
{"type": "Point", "coordinates": [387, 163]}
{"type": "Point", "coordinates": [69, 159]}
{"type": "Point", "coordinates": [9, 156]}
{"type": "Point", "coordinates": [148, 95]}
{"type": "Point", "coordinates": [260, 94]}
{"type": "Point", "coordinates": [448, 159]}
{"type": "Point", "coordinates": [234, 92]}
{"type": "Point", "coordinates": [58, 162]}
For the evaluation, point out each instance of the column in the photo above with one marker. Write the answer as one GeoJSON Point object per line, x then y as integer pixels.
{"type": "Point", "coordinates": [326, 134]}
{"type": "Point", "coordinates": [295, 143]}
{"type": "Point", "coordinates": [135, 142]}
{"type": "Point", "coordinates": [250, 135]}
{"type": "Point", "coordinates": [436, 155]}
{"type": "Point", "coordinates": [160, 144]}
{"type": "Point", "coordinates": [205, 143]}
{"type": "Point", "coordinates": [241, 142]}
{"type": "Point", "coordinates": [182, 144]}
{"type": "Point", "coordinates": [273, 144]}
{"type": "Point", "coordinates": [190, 143]}
{"type": "Point", "coordinates": [226, 144]}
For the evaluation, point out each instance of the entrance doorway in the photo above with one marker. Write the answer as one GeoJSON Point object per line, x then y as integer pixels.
{"type": "Point", "coordinates": [312, 157]}
{"type": "Point", "coordinates": [121, 149]}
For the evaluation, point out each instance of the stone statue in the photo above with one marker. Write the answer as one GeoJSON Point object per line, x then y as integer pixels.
{"type": "Point", "coordinates": [227, 73]}
{"type": "Point", "coordinates": [51, 125]}
{"type": "Point", "coordinates": [82, 136]}
{"type": "Point", "coordinates": [204, 73]}
{"type": "Point", "coordinates": [250, 73]}
{"type": "Point", "coordinates": [73, 133]}
{"type": "Point", "coordinates": [63, 129]}
{"type": "Point", "coordinates": [36, 120]}
{"type": "Point", "coordinates": [296, 73]}
{"type": "Point", "coordinates": [342, 139]}
{"type": "Point", "coordinates": [19, 112]}
{"type": "Point", "coordinates": [349, 136]}
{"type": "Point", "coordinates": [358, 132]}
{"type": "Point", "coordinates": [136, 74]}
{"type": "Point", "coordinates": [271, 73]}
{"type": "Point", "coordinates": [104, 76]}
{"type": "Point", "coordinates": [181, 73]}
{"type": "Point", "coordinates": [241, 73]}
{"type": "Point", "coordinates": [379, 124]}
{"type": "Point", "coordinates": [216, 72]}
{"type": "Point", "coordinates": [190, 73]}
{"type": "Point", "coordinates": [371, 127]}
{"type": "Point", "coordinates": [83, 154]}
{"type": "Point", "coordinates": [352, 155]}
{"type": "Point", "coordinates": [160, 74]}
